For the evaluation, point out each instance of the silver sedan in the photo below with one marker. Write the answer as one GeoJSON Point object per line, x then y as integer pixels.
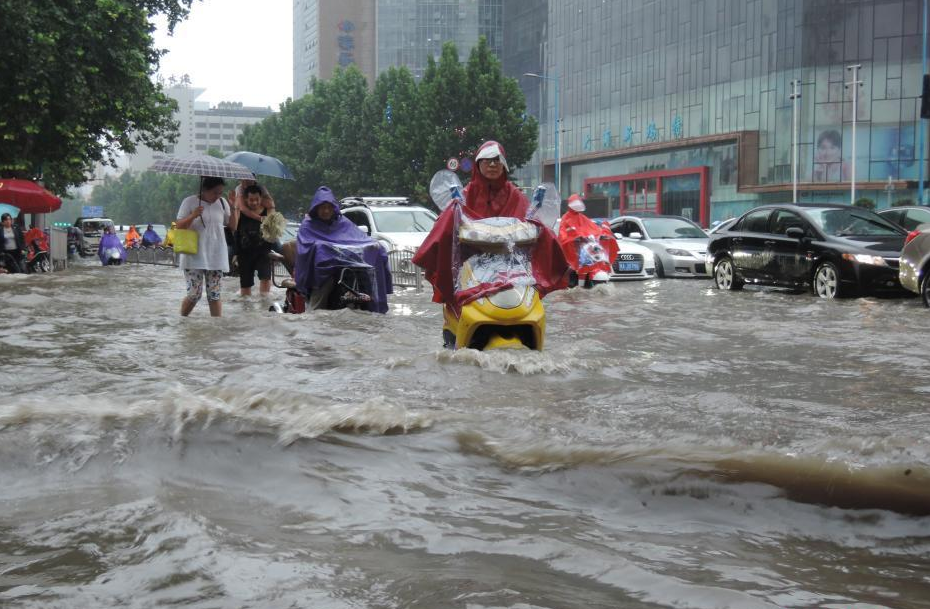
{"type": "Point", "coordinates": [678, 244]}
{"type": "Point", "coordinates": [914, 269]}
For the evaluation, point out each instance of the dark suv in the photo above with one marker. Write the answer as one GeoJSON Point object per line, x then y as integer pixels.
{"type": "Point", "coordinates": [837, 250]}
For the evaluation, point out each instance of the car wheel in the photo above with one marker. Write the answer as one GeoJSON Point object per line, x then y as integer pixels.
{"type": "Point", "coordinates": [725, 277]}
{"type": "Point", "coordinates": [826, 283]}
{"type": "Point", "coordinates": [925, 288]}
{"type": "Point", "coordinates": [660, 271]}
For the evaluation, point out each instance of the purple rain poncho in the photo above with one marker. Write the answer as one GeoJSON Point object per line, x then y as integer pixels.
{"type": "Point", "coordinates": [150, 238]}
{"type": "Point", "coordinates": [325, 247]}
{"type": "Point", "coordinates": [110, 244]}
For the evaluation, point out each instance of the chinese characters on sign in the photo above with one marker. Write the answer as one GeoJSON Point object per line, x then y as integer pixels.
{"type": "Point", "coordinates": [652, 134]}
{"type": "Point", "coordinates": [628, 135]}
{"type": "Point", "coordinates": [346, 42]}
{"type": "Point", "coordinates": [678, 126]}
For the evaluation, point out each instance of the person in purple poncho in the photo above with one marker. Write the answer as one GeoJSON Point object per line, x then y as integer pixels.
{"type": "Point", "coordinates": [327, 243]}
{"type": "Point", "coordinates": [150, 238]}
{"type": "Point", "coordinates": [111, 250]}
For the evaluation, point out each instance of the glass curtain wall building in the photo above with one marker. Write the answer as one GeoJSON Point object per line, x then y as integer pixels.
{"type": "Point", "coordinates": [411, 31]}
{"type": "Point", "coordinates": [683, 107]}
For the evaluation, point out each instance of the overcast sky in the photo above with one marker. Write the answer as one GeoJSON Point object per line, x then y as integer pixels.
{"type": "Point", "coordinates": [238, 50]}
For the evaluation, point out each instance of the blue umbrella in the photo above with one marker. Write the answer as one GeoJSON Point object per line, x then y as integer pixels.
{"type": "Point", "coordinates": [6, 208]}
{"type": "Point", "coordinates": [261, 164]}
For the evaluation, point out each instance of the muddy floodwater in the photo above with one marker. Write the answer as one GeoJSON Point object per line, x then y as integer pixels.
{"type": "Point", "coordinates": [672, 446]}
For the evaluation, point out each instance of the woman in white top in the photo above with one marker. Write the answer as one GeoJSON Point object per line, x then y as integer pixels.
{"type": "Point", "coordinates": [12, 244]}
{"type": "Point", "coordinates": [207, 214]}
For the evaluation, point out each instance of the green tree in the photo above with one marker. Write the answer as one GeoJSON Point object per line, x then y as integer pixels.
{"type": "Point", "coordinates": [77, 85]}
{"type": "Point", "coordinates": [446, 107]}
{"type": "Point", "coordinates": [392, 139]}
{"type": "Point", "coordinates": [392, 113]}
{"type": "Point", "coordinates": [499, 111]}
{"type": "Point", "coordinates": [345, 154]}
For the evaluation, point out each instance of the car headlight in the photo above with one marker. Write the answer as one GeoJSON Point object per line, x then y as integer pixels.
{"type": "Point", "coordinates": [675, 252]}
{"type": "Point", "coordinates": [865, 259]}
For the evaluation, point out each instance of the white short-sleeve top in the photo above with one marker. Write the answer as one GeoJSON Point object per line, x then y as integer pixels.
{"type": "Point", "coordinates": [211, 241]}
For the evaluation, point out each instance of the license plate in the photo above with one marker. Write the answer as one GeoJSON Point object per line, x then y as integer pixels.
{"type": "Point", "coordinates": [628, 266]}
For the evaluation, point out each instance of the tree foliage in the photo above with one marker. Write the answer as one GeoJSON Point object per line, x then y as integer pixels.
{"type": "Point", "coordinates": [386, 141]}
{"type": "Point", "coordinates": [391, 139]}
{"type": "Point", "coordinates": [78, 86]}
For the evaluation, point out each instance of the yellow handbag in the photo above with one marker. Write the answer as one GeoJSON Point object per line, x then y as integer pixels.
{"type": "Point", "coordinates": [185, 241]}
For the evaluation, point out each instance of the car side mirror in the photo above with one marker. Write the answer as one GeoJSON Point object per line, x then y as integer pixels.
{"type": "Point", "coordinates": [795, 233]}
{"type": "Point", "coordinates": [636, 235]}
{"type": "Point", "coordinates": [365, 229]}
{"type": "Point", "coordinates": [618, 236]}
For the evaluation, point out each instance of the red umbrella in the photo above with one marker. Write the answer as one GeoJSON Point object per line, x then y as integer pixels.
{"type": "Point", "coordinates": [28, 196]}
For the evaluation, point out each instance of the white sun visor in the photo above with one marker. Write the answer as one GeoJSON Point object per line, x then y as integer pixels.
{"type": "Point", "coordinates": [491, 152]}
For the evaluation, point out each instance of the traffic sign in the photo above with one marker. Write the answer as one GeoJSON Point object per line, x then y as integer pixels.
{"type": "Point", "coordinates": [92, 211]}
{"type": "Point", "coordinates": [452, 164]}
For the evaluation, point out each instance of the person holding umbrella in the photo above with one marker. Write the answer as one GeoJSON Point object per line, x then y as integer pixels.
{"type": "Point", "coordinates": [207, 213]}
{"type": "Point", "coordinates": [258, 164]}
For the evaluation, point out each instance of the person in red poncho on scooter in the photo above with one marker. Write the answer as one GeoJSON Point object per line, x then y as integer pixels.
{"type": "Point", "coordinates": [488, 194]}
{"type": "Point", "coordinates": [590, 248]}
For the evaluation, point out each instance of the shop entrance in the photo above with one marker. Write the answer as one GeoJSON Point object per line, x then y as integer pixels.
{"type": "Point", "coordinates": [680, 192]}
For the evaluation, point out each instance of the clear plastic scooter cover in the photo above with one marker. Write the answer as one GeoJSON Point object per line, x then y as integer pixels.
{"type": "Point", "coordinates": [546, 205]}
{"type": "Point", "coordinates": [493, 254]}
{"type": "Point", "coordinates": [444, 187]}
{"type": "Point", "coordinates": [345, 256]}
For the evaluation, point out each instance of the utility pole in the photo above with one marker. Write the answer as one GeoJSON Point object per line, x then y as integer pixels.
{"type": "Point", "coordinates": [795, 136]}
{"type": "Point", "coordinates": [920, 121]}
{"type": "Point", "coordinates": [855, 83]}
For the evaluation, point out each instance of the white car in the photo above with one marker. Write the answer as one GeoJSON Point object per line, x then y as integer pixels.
{"type": "Point", "coordinates": [633, 261]}
{"type": "Point", "coordinates": [394, 221]}
{"type": "Point", "coordinates": [677, 243]}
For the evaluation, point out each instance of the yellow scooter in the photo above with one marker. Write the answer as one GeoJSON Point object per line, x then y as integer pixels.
{"type": "Point", "coordinates": [498, 251]}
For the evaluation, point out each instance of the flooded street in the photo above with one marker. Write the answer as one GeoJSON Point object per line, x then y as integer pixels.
{"type": "Point", "coordinates": [672, 446]}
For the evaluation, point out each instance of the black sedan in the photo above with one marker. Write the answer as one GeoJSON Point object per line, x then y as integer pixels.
{"type": "Point", "coordinates": [836, 250]}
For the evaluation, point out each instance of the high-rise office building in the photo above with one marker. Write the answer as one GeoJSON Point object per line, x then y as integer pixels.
{"type": "Point", "coordinates": [411, 31]}
{"type": "Point", "coordinates": [330, 34]}
{"type": "Point", "coordinates": [684, 107]}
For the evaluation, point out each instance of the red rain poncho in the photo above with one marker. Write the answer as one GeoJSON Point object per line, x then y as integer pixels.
{"type": "Point", "coordinates": [486, 199]}
{"type": "Point", "coordinates": [588, 247]}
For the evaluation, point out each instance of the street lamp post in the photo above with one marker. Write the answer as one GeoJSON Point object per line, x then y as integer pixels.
{"type": "Point", "coordinates": [794, 96]}
{"type": "Point", "coordinates": [558, 128]}
{"type": "Point", "coordinates": [855, 83]}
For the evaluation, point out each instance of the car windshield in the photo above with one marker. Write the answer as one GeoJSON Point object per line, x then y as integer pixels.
{"type": "Point", "coordinates": [404, 220]}
{"type": "Point", "coordinates": [95, 227]}
{"type": "Point", "coordinates": [672, 228]}
{"type": "Point", "coordinates": [290, 231]}
{"type": "Point", "coordinates": [852, 223]}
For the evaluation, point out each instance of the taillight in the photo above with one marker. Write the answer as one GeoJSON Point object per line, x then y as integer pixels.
{"type": "Point", "coordinates": [910, 236]}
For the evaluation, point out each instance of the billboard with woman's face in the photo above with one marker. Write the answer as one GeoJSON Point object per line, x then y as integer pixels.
{"type": "Point", "coordinates": [882, 151]}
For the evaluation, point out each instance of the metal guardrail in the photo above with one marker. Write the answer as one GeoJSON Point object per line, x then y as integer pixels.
{"type": "Point", "coordinates": [161, 256]}
{"type": "Point", "coordinates": [404, 273]}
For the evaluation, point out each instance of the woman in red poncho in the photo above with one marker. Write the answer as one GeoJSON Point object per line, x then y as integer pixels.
{"type": "Point", "coordinates": [489, 194]}
{"type": "Point", "coordinates": [590, 248]}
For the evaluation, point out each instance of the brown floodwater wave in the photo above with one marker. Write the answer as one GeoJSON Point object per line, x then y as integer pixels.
{"type": "Point", "coordinates": [903, 488]}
